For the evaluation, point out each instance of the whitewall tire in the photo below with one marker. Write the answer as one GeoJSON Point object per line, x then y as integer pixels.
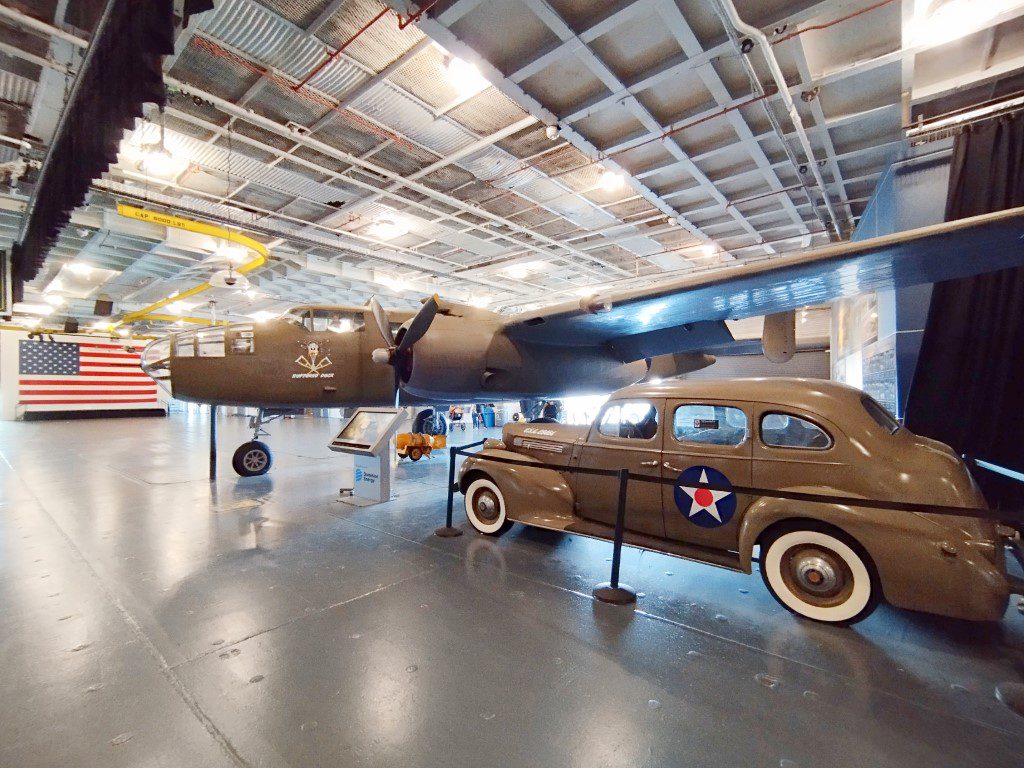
{"type": "Point", "coordinates": [819, 573]}
{"type": "Point", "coordinates": [485, 507]}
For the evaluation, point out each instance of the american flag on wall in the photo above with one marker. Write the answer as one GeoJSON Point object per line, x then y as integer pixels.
{"type": "Point", "coordinates": [87, 375]}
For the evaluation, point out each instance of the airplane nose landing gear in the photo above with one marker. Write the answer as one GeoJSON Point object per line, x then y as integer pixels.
{"type": "Point", "coordinates": [253, 458]}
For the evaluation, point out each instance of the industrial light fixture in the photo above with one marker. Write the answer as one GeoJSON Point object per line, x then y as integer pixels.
{"type": "Point", "coordinates": [388, 228]}
{"type": "Point", "coordinates": [179, 307]}
{"type": "Point", "coordinates": [611, 181]}
{"type": "Point", "coordinates": [941, 21]}
{"type": "Point", "coordinates": [709, 249]}
{"type": "Point", "coordinates": [54, 300]}
{"type": "Point", "coordinates": [233, 254]}
{"type": "Point", "coordinates": [102, 325]}
{"type": "Point", "coordinates": [464, 76]}
{"type": "Point", "coordinates": [524, 269]}
{"type": "Point", "coordinates": [77, 268]}
{"type": "Point", "coordinates": [262, 316]}
{"type": "Point", "coordinates": [33, 309]}
{"type": "Point", "coordinates": [157, 160]}
{"type": "Point", "coordinates": [28, 322]}
{"type": "Point", "coordinates": [480, 302]}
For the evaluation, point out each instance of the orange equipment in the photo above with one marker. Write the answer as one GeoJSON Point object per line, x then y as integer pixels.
{"type": "Point", "coordinates": [416, 446]}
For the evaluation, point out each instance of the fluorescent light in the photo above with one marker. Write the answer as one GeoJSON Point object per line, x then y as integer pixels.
{"type": "Point", "coordinates": [464, 76]}
{"type": "Point", "coordinates": [388, 228]}
{"type": "Point", "coordinates": [611, 181]}
{"type": "Point", "coordinates": [394, 283]}
{"type": "Point", "coordinates": [179, 307]}
{"type": "Point", "coordinates": [524, 269]}
{"type": "Point", "coordinates": [480, 302]}
{"type": "Point", "coordinates": [941, 21]}
{"type": "Point", "coordinates": [82, 270]}
{"type": "Point", "coordinates": [102, 325]}
{"type": "Point", "coordinates": [54, 300]}
{"type": "Point", "coordinates": [709, 249]}
{"type": "Point", "coordinates": [262, 316]}
{"type": "Point", "coordinates": [55, 285]}
{"type": "Point", "coordinates": [33, 309]}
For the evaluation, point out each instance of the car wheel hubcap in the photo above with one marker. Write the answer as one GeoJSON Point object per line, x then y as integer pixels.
{"type": "Point", "coordinates": [817, 576]}
{"type": "Point", "coordinates": [486, 506]}
{"type": "Point", "coordinates": [255, 460]}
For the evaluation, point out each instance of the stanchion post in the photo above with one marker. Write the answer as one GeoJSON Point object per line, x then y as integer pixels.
{"type": "Point", "coordinates": [447, 530]}
{"type": "Point", "coordinates": [612, 591]}
{"type": "Point", "coordinates": [213, 443]}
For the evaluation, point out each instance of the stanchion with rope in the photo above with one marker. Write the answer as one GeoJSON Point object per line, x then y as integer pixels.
{"type": "Point", "coordinates": [448, 530]}
{"type": "Point", "coordinates": [612, 591]}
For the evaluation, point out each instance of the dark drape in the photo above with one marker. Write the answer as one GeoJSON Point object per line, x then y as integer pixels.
{"type": "Point", "coordinates": [968, 390]}
{"type": "Point", "coordinates": [121, 72]}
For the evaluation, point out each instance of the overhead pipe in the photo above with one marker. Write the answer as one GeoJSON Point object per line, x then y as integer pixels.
{"type": "Point", "coordinates": [759, 37]}
{"type": "Point", "coordinates": [320, 67]}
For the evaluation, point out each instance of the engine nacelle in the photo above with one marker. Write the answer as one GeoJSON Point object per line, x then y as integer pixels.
{"type": "Point", "coordinates": [449, 362]}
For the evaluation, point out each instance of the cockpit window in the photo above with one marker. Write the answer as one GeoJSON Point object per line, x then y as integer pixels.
{"type": "Point", "coordinates": [324, 319]}
{"type": "Point", "coordinates": [882, 417]}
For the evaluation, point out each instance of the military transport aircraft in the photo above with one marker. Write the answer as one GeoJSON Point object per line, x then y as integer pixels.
{"type": "Point", "coordinates": [320, 357]}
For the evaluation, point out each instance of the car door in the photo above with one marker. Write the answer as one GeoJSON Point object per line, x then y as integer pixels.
{"type": "Point", "coordinates": [627, 434]}
{"type": "Point", "coordinates": [707, 450]}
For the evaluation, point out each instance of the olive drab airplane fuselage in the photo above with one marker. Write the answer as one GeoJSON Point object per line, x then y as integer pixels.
{"type": "Point", "coordinates": [323, 356]}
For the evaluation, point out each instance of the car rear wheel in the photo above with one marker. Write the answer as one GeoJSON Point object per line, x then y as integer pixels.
{"type": "Point", "coordinates": [415, 453]}
{"type": "Point", "coordinates": [485, 507]}
{"type": "Point", "coordinates": [820, 573]}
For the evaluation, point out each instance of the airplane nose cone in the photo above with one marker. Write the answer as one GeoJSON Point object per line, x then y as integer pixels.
{"type": "Point", "coordinates": [156, 359]}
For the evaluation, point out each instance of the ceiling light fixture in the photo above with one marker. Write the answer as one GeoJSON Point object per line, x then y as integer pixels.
{"type": "Point", "coordinates": [709, 249]}
{"type": "Point", "coordinates": [524, 269]}
{"type": "Point", "coordinates": [611, 181]}
{"type": "Point", "coordinates": [388, 228]}
{"type": "Point", "coordinates": [941, 21]}
{"type": "Point", "coordinates": [54, 300]}
{"type": "Point", "coordinates": [464, 76]}
{"type": "Point", "coordinates": [33, 309]}
{"type": "Point", "coordinates": [82, 270]}
{"type": "Point", "coordinates": [262, 316]}
{"type": "Point", "coordinates": [480, 302]}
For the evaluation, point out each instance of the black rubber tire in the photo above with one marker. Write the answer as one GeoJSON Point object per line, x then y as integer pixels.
{"type": "Point", "coordinates": [246, 461]}
{"type": "Point", "coordinates": [776, 532]}
{"type": "Point", "coordinates": [415, 453]}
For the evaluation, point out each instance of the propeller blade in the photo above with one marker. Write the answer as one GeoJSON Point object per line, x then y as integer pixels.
{"type": "Point", "coordinates": [381, 318]}
{"type": "Point", "coordinates": [420, 324]}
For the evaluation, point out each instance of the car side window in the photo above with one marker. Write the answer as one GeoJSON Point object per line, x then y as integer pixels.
{"type": "Point", "coordinates": [784, 430]}
{"type": "Point", "coordinates": [709, 424]}
{"type": "Point", "coordinates": [634, 419]}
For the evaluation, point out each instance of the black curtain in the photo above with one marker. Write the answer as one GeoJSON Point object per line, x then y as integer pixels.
{"type": "Point", "coordinates": [968, 389]}
{"type": "Point", "coordinates": [122, 71]}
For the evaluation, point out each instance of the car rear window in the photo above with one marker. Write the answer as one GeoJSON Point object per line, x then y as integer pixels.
{"type": "Point", "coordinates": [882, 417]}
{"type": "Point", "coordinates": [784, 430]}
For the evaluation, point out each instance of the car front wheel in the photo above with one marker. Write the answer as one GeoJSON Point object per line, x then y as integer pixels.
{"type": "Point", "coordinates": [820, 573]}
{"type": "Point", "coordinates": [485, 507]}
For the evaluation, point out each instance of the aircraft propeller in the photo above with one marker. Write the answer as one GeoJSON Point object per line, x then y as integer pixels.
{"type": "Point", "coordinates": [416, 330]}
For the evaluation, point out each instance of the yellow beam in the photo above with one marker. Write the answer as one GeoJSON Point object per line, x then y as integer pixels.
{"type": "Point", "coordinates": [199, 227]}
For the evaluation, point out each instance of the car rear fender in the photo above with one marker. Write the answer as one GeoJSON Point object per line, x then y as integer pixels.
{"type": "Point", "coordinates": [525, 488]}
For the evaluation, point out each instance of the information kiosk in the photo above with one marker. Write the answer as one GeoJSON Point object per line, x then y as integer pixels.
{"type": "Point", "coordinates": [366, 435]}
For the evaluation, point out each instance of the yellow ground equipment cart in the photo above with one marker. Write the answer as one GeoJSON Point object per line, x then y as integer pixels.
{"type": "Point", "coordinates": [417, 446]}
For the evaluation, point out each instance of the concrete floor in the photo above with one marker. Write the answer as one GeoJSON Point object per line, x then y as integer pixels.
{"type": "Point", "coordinates": [149, 618]}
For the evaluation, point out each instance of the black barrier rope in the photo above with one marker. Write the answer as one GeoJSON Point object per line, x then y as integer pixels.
{"type": "Point", "coordinates": [620, 594]}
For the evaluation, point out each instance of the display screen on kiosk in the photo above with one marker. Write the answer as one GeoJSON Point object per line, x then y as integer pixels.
{"type": "Point", "coordinates": [365, 428]}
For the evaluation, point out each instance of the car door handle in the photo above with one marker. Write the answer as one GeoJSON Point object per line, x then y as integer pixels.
{"type": "Point", "coordinates": [670, 468]}
{"type": "Point", "coordinates": [649, 463]}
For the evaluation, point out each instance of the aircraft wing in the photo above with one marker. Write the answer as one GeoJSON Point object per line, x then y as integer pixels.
{"type": "Point", "coordinates": [687, 313]}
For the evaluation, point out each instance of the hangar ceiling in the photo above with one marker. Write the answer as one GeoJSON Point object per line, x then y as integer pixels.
{"type": "Point", "coordinates": [499, 153]}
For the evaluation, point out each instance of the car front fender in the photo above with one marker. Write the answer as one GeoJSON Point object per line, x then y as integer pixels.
{"type": "Point", "coordinates": [527, 489]}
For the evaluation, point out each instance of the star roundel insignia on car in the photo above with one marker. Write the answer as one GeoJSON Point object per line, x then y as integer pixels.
{"type": "Point", "coordinates": [705, 496]}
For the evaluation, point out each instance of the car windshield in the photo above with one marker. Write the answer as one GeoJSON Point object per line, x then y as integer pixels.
{"type": "Point", "coordinates": [882, 417]}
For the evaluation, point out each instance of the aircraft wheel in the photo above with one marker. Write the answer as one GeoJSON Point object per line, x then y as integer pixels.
{"type": "Point", "coordinates": [415, 453]}
{"type": "Point", "coordinates": [818, 572]}
{"type": "Point", "coordinates": [252, 459]}
{"type": "Point", "coordinates": [485, 507]}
